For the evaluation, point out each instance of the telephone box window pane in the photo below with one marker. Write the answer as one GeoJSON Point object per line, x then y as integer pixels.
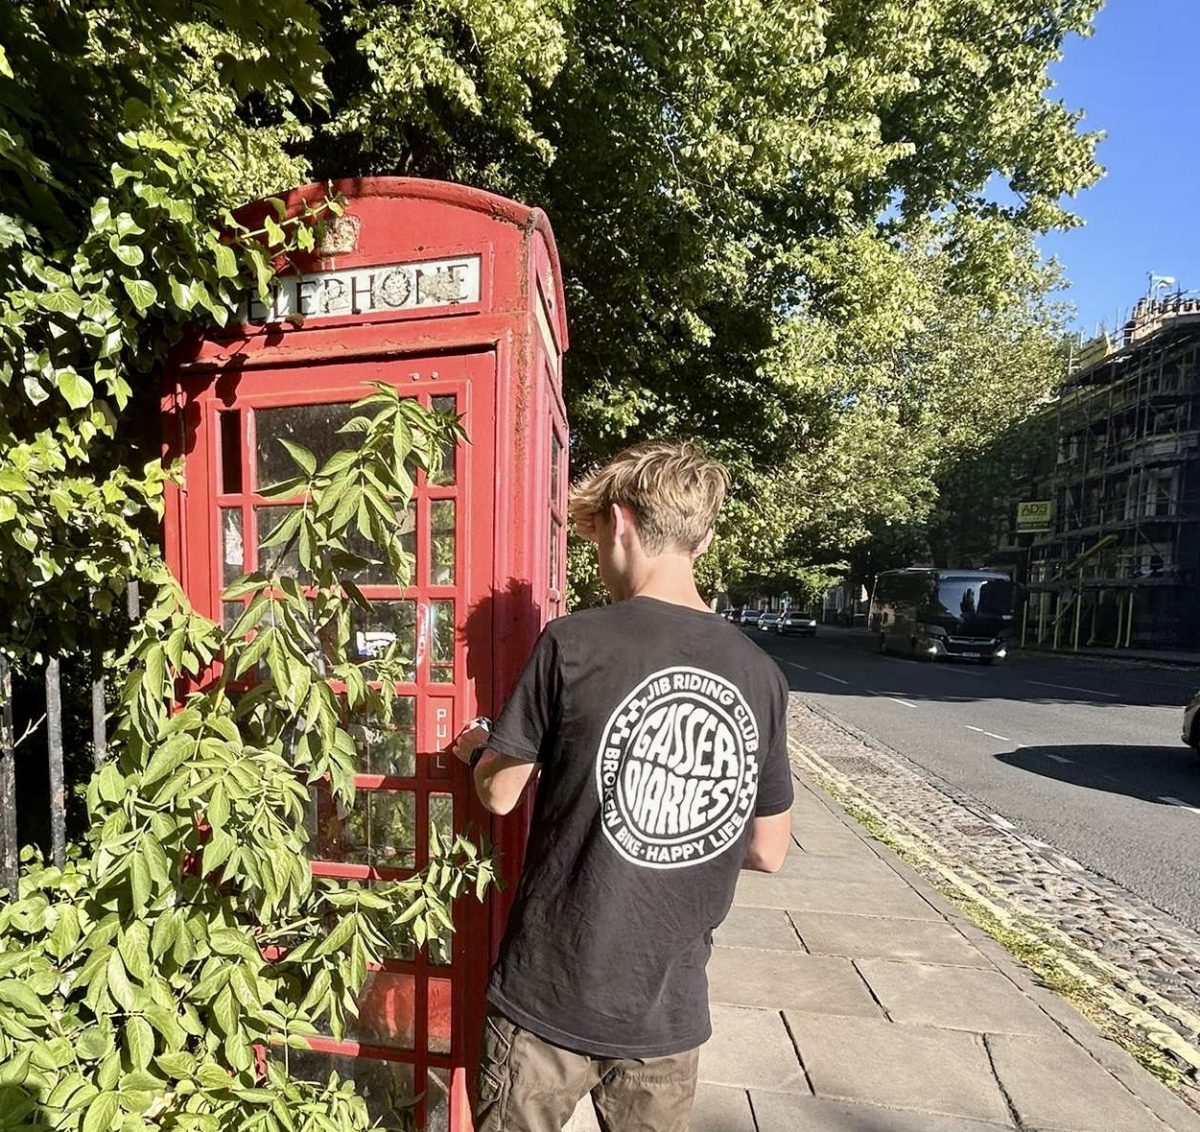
{"type": "Point", "coordinates": [389, 749]}
{"type": "Point", "coordinates": [441, 822]}
{"type": "Point", "coordinates": [386, 1086]}
{"type": "Point", "coordinates": [388, 622]}
{"type": "Point", "coordinates": [377, 830]}
{"type": "Point", "coordinates": [437, 1101]}
{"type": "Point", "coordinates": [555, 554]}
{"type": "Point", "coordinates": [284, 557]}
{"type": "Point", "coordinates": [385, 1011]}
{"type": "Point", "coordinates": [439, 1016]}
{"type": "Point", "coordinates": [233, 550]}
{"type": "Point", "coordinates": [441, 816]}
{"type": "Point", "coordinates": [231, 452]}
{"type": "Point", "coordinates": [315, 427]}
{"type": "Point", "coordinates": [448, 472]}
{"type": "Point", "coordinates": [556, 451]}
{"type": "Point", "coordinates": [230, 612]}
{"type": "Point", "coordinates": [441, 642]}
{"type": "Point", "coordinates": [442, 542]}
{"type": "Point", "coordinates": [379, 572]}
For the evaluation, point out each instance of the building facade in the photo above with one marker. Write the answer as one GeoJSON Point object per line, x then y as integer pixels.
{"type": "Point", "coordinates": [1117, 557]}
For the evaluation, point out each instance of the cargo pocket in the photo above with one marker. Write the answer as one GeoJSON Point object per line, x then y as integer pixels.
{"type": "Point", "coordinates": [495, 1069]}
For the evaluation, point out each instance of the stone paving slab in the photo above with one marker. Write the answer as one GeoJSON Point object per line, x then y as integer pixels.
{"type": "Point", "coordinates": [843, 868]}
{"type": "Point", "coordinates": [769, 928]}
{"type": "Point", "coordinates": [958, 998]}
{"type": "Point", "coordinates": [944, 1072]}
{"type": "Point", "coordinates": [751, 1049]}
{"type": "Point", "coordinates": [722, 1108]}
{"type": "Point", "coordinates": [1056, 1085]}
{"type": "Point", "coordinates": [886, 898]}
{"type": "Point", "coordinates": [817, 843]}
{"type": "Point", "coordinates": [776, 1112]}
{"type": "Point", "coordinates": [779, 980]}
{"type": "Point", "coordinates": [927, 941]}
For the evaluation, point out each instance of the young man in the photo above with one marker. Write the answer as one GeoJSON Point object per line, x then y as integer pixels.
{"type": "Point", "coordinates": [656, 732]}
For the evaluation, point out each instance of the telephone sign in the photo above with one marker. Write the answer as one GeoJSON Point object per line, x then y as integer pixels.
{"type": "Point", "coordinates": [453, 296]}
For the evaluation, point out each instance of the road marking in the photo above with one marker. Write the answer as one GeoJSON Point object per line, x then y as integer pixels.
{"type": "Point", "coordinates": [894, 699]}
{"type": "Point", "coordinates": [793, 664]}
{"type": "Point", "coordinates": [835, 679]}
{"type": "Point", "coordinates": [963, 671]}
{"type": "Point", "coordinates": [1180, 803]}
{"type": "Point", "coordinates": [990, 734]}
{"type": "Point", "coordinates": [1072, 688]}
{"type": "Point", "coordinates": [1058, 758]}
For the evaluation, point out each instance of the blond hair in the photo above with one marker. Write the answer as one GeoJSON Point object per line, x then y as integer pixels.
{"type": "Point", "coordinates": [673, 491]}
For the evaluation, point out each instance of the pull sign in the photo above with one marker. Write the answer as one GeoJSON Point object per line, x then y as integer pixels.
{"type": "Point", "coordinates": [422, 285]}
{"type": "Point", "coordinates": [441, 728]}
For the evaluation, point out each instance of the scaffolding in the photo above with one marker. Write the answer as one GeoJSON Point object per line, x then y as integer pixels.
{"type": "Point", "coordinates": [1119, 566]}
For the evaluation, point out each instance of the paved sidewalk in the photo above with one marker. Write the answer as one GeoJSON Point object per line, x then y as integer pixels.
{"type": "Point", "coordinates": [848, 997]}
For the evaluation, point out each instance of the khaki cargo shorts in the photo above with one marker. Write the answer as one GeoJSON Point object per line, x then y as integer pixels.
{"type": "Point", "coordinates": [528, 1085]}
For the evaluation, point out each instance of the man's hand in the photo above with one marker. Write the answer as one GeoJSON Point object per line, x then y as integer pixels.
{"type": "Point", "coordinates": [470, 739]}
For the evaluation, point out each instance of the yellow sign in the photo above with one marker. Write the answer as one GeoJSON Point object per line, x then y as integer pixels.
{"type": "Point", "coordinates": [1035, 515]}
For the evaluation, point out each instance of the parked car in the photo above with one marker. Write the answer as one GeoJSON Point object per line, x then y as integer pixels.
{"type": "Point", "coordinates": [1191, 723]}
{"type": "Point", "coordinates": [749, 616]}
{"type": "Point", "coordinates": [769, 622]}
{"type": "Point", "coordinates": [733, 613]}
{"type": "Point", "coordinates": [796, 622]}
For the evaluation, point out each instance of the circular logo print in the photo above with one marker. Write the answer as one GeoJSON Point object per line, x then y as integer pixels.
{"type": "Point", "coordinates": [677, 769]}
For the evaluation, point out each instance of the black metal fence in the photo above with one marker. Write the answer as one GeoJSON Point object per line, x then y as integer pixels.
{"type": "Point", "coordinates": [52, 720]}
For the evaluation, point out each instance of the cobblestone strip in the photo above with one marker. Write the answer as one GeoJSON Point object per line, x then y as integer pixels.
{"type": "Point", "coordinates": [1143, 965]}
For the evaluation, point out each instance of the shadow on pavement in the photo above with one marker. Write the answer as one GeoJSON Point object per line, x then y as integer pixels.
{"type": "Point", "coordinates": [1167, 775]}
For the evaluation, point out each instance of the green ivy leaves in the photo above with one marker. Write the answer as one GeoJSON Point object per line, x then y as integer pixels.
{"type": "Point", "coordinates": [136, 983]}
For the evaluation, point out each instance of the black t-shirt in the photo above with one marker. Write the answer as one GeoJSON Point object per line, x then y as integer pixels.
{"type": "Point", "coordinates": [660, 731]}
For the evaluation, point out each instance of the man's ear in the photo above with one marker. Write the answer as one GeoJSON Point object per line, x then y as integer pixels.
{"type": "Point", "coordinates": [702, 546]}
{"type": "Point", "coordinates": [620, 519]}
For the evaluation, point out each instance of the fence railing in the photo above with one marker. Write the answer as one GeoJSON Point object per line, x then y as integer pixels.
{"type": "Point", "coordinates": [53, 719]}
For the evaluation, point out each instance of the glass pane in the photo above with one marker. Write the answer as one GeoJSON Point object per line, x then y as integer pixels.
{"type": "Point", "coordinates": [439, 1015]}
{"type": "Point", "coordinates": [388, 622]}
{"type": "Point", "coordinates": [389, 749]}
{"type": "Point", "coordinates": [449, 470]}
{"type": "Point", "coordinates": [233, 550]}
{"type": "Point", "coordinates": [441, 641]}
{"type": "Point", "coordinates": [230, 612]}
{"type": "Point", "coordinates": [556, 451]}
{"type": "Point", "coordinates": [386, 1086]}
{"type": "Point", "coordinates": [283, 557]}
{"type": "Point", "coordinates": [379, 572]}
{"type": "Point", "coordinates": [385, 1011]}
{"type": "Point", "coordinates": [437, 1101]}
{"type": "Point", "coordinates": [441, 819]}
{"type": "Point", "coordinates": [377, 830]}
{"type": "Point", "coordinates": [441, 816]}
{"type": "Point", "coordinates": [313, 426]}
{"type": "Point", "coordinates": [442, 542]}
{"type": "Point", "coordinates": [231, 452]}
{"type": "Point", "coordinates": [555, 554]}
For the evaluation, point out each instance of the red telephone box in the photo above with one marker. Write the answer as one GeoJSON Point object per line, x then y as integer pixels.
{"type": "Point", "coordinates": [454, 296]}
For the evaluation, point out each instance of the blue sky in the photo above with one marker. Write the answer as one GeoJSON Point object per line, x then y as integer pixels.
{"type": "Point", "coordinates": [1134, 79]}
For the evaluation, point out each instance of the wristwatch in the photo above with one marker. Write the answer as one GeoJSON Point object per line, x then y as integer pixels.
{"type": "Point", "coordinates": [485, 725]}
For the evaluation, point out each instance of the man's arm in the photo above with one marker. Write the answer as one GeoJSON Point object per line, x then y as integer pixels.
{"type": "Point", "coordinates": [500, 780]}
{"type": "Point", "coordinates": [769, 843]}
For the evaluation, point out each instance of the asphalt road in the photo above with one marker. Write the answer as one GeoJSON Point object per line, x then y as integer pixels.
{"type": "Point", "coordinates": [1083, 756]}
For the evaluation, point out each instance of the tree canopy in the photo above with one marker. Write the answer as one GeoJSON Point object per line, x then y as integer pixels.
{"type": "Point", "coordinates": [767, 213]}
